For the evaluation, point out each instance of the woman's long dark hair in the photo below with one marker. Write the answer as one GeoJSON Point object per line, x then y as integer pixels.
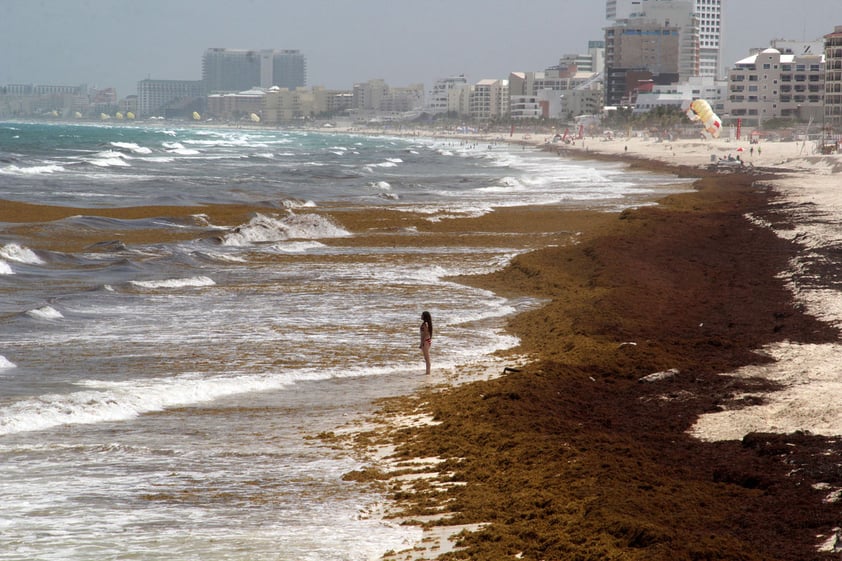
{"type": "Point", "coordinates": [426, 318]}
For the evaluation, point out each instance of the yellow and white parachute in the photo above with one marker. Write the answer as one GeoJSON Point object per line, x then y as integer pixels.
{"type": "Point", "coordinates": [700, 110]}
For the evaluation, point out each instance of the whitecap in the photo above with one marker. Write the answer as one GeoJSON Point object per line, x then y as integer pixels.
{"type": "Point", "coordinates": [394, 160]}
{"type": "Point", "coordinates": [44, 312]}
{"type": "Point", "coordinates": [261, 229]}
{"type": "Point", "coordinates": [296, 203]}
{"type": "Point", "coordinates": [5, 363]}
{"type": "Point", "coordinates": [381, 185]}
{"type": "Point", "coordinates": [179, 149]}
{"type": "Point", "coordinates": [131, 146]}
{"type": "Point", "coordinates": [109, 158]}
{"type": "Point", "coordinates": [21, 254]}
{"type": "Point", "coordinates": [5, 268]}
{"type": "Point", "coordinates": [32, 170]}
{"type": "Point", "coordinates": [191, 282]}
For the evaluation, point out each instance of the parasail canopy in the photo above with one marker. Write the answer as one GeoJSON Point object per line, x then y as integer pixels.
{"type": "Point", "coordinates": [700, 110]}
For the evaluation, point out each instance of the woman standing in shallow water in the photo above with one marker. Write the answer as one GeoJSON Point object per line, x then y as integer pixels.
{"type": "Point", "coordinates": [426, 337]}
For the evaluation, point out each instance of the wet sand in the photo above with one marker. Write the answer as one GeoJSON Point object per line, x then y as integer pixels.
{"type": "Point", "coordinates": [573, 456]}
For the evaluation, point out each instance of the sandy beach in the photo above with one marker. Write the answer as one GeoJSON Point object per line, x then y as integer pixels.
{"type": "Point", "coordinates": [679, 400]}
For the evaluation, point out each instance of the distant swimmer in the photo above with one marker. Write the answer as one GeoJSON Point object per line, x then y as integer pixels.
{"type": "Point", "coordinates": [426, 337]}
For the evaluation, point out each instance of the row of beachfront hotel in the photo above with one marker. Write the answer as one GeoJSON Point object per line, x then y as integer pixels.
{"type": "Point", "coordinates": [654, 53]}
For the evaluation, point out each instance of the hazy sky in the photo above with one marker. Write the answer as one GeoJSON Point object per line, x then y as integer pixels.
{"type": "Point", "coordinates": [119, 42]}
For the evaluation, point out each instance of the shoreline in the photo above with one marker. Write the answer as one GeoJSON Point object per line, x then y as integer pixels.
{"type": "Point", "coordinates": [574, 455]}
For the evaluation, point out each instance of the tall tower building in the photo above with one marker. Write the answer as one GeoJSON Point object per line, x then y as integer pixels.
{"type": "Point", "coordinates": [232, 70]}
{"type": "Point", "coordinates": [289, 69]}
{"type": "Point", "coordinates": [833, 80]}
{"type": "Point", "coordinates": [708, 14]}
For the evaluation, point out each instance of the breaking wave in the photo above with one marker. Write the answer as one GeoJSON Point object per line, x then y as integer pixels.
{"type": "Point", "coordinates": [21, 254]}
{"type": "Point", "coordinates": [44, 312]}
{"type": "Point", "coordinates": [262, 229]}
{"type": "Point", "coordinates": [192, 282]}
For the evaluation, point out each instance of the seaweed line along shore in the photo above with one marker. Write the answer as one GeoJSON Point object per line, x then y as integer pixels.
{"type": "Point", "coordinates": [209, 347]}
{"type": "Point", "coordinates": [680, 398]}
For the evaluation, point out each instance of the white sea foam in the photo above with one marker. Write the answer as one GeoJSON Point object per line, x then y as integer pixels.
{"type": "Point", "coordinates": [505, 185]}
{"type": "Point", "coordinates": [382, 185]}
{"type": "Point", "coordinates": [5, 268]}
{"type": "Point", "coordinates": [131, 146]}
{"type": "Point", "coordinates": [295, 203]}
{"type": "Point", "coordinates": [109, 158]}
{"type": "Point", "coordinates": [32, 170]}
{"type": "Point", "coordinates": [296, 247]}
{"type": "Point", "coordinates": [20, 254]}
{"type": "Point", "coordinates": [192, 282]}
{"type": "Point", "coordinates": [119, 401]}
{"type": "Point", "coordinates": [106, 401]}
{"type": "Point", "coordinates": [263, 229]}
{"type": "Point", "coordinates": [178, 148]}
{"type": "Point", "coordinates": [5, 363]}
{"type": "Point", "coordinates": [45, 312]}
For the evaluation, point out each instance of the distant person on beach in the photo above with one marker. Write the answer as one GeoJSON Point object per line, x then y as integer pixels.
{"type": "Point", "coordinates": [426, 337]}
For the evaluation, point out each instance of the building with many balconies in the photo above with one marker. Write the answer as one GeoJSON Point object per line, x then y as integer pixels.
{"type": "Point", "coordinates": [153, 96]}
{"type": "Point", "coordinates": [771, 85]}
{"type": "Point", "coordinates": [489, 100]}
{"type": "Point", "coordinates": [439, 101]}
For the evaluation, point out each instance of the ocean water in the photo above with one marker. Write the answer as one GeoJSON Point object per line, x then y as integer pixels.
{"type": "Point", "coordinates": [156, 400]}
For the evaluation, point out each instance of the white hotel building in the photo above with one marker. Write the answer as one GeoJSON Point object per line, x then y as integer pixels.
{"type": "Point", "coordinates": [771, 85]}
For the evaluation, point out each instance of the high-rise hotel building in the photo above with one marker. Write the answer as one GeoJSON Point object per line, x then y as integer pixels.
{"type": "Point", "coordinates": [833, 80]}
{"type": "Point", "coordinates": [233, 70]}
{"type": "Point", "coordinates": [708, 16]}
